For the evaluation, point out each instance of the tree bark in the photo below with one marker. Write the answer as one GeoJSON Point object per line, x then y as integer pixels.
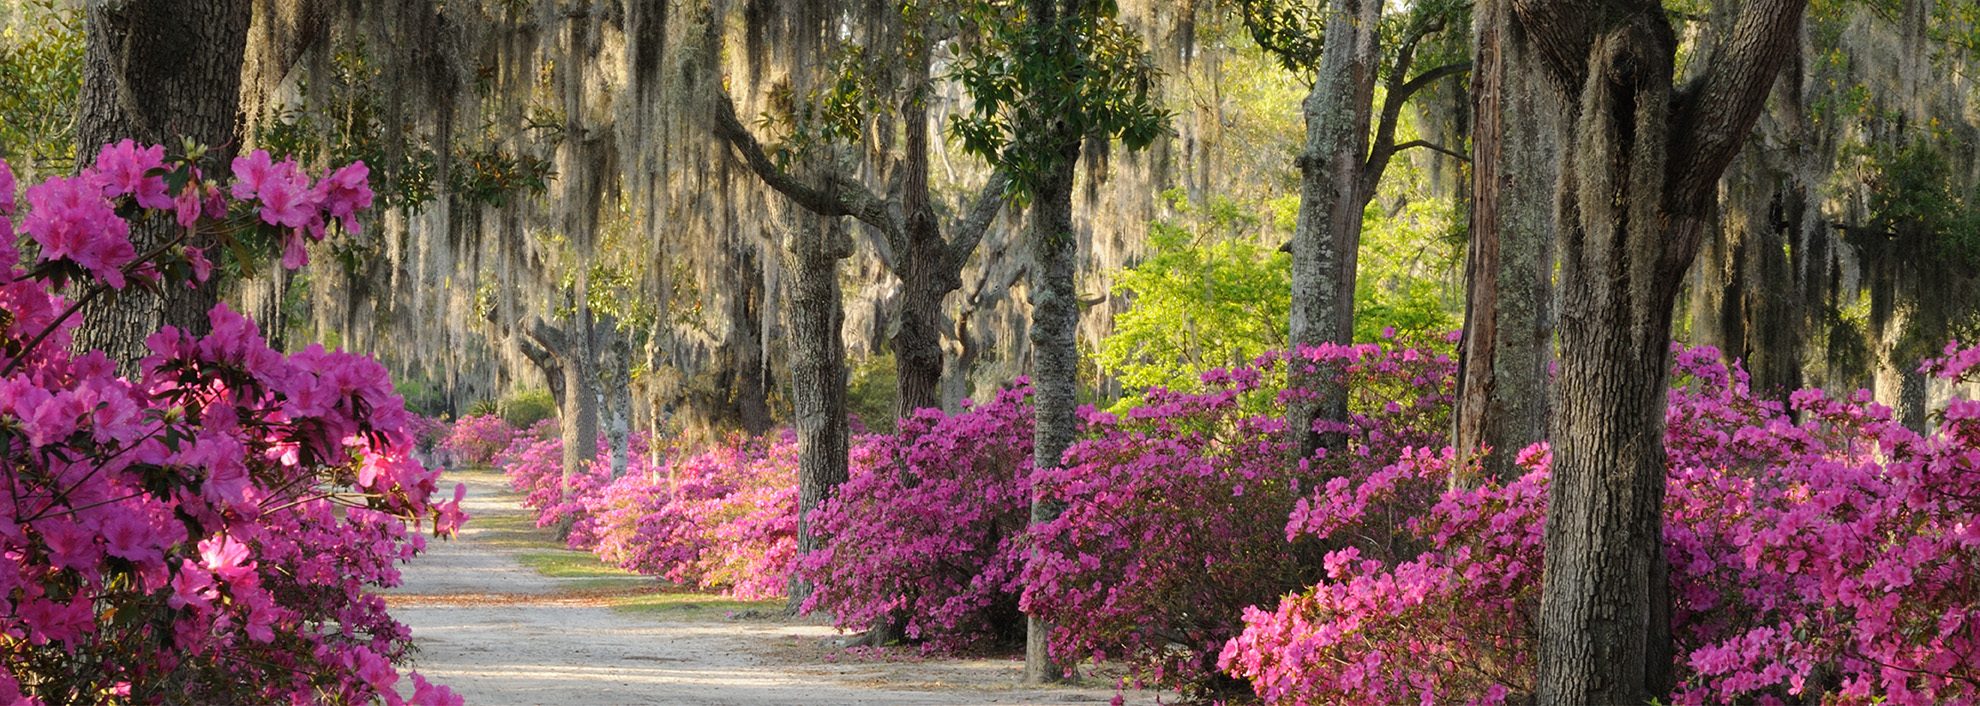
{"type": "Point", "coordinates": [1635, 198]}
{"type": "Point", "coordinates": [615, 389]}
{"type": "Point", "coordinates": [816, 314]}
{"type": "Point", "coordinates": [560, 355]}
{"type": "Point", "coordinates": [925, 277]}
{"type": "Point", "coordinates": [1055, 354]}
{"type": "Point", "coordinates": [153, 71]}
{"type": "Point", "coordinates": [1327, 235]}
{"type": "Point", "coordinates": [1054, 303]}
{"type": "Point", "coordinates": [1508, 328]}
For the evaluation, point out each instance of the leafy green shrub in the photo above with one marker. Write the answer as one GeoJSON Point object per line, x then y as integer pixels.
{"type": "Point", "coordinates": [1201, 301]}
{"type": "Point", "coordinates": [524, 409]}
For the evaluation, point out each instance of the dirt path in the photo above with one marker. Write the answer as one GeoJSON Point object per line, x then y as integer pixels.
{"type": "Point", "coordinates": [501, 632]}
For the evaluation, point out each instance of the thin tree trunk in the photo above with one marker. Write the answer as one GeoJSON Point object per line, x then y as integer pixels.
{"type": "Point", "coordinates": [579, 417]}
{"type": "Point", "coordinates": [1055, 355]}
{"type": "Point", "coordinates": [153, 71]}
{"type": "Point", "coordinates": [1508, 331]}
{"type": "Point", "coordinates": [1054, 309]}
{"type": "Point", "coordinates": [615, 386]}
{"type": "Point", "coordinates": [1327, 236]}
{"type": "Point", "coordinates": [816, 316]}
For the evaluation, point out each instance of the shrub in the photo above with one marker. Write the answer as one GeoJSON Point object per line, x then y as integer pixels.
{"type": "Point", "coordinates": [926, 528]}
{"type": "Point", "coordinates": [211, 529]}
{"type": "Point", "coordinates": [721, 518]}
{"type": "Point", "coordinates": [524, 409]}
{"type": "Point", "coordinates": [1173, 512]}
{"type": "Point", "coordinates": [476, 440]}
{"type": "Point", "coordinates": [479, 408]}
{"type": "Point", "coordinates": [1830, 558]}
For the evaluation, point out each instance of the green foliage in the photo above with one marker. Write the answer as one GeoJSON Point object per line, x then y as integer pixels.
{"type": "Point", "coordinates": [873, 392]}
{"type": "Point", "coordinates": [1912, 196]}
{"type": "Point", "coordinates": [1292, 31]}
{"type": "Point", "coordinates": [422, 395]}
{"type": "Point", "coordinates": [1407, 273]}
{"type": "Point", "coordinates": [1429, 24]}
{"type": "Point", "coordinates": [1924, 223]}
{"type": "Point", "coordinates": [1211, 295]}
{"type": "Point", "coordinates": [616, 271]}
{"type": "Point", "coordinates": [524, 409]}
{"type": "Point", "coordinates": [41, 58]}
{"type": "Point", "coordinates": [480, 408]}
{"type": "Point", "coordinates": [836, 114]}
{"type": "Point", "coordinates": [1086, 72]}
{"type": "Point", "coordinates": [487, 174]}
{"type": "Point", "coordinates": [1207, 297]}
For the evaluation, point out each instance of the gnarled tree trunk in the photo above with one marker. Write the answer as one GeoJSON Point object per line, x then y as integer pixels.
{"type": "Point", "coordinates": [1635, 197]}
{"type": "Point", "coordinates": [815, 313]}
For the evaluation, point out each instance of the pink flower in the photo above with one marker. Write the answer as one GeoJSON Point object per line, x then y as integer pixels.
{"type": "Point", "coordinates": [294, 253]}
{"type": "Point", "coordinates": [426, 693]}
{"type": "Point", "coordinates": [70, 546]}
{"type": "Point", "coordinates": [70, 219]}
{"type": "Point", "coordinates": [193, 587]}
{"type": "Point", "coordinates": [451, 517]}
{"type": "Point", "coordinates": [129, 535]}
{"type": "Point", "coordinates": [286, 200]}
{"type": "Point", "coordinates": [225, 557]}
{"type": "Point", "coordinates": [345, 192]}
{"type": "Point", "coordinates": [202, 269]}
{"type": "Point", "coordinates": [190, 204]}
{"type": "Point", "coordinates": [6, 189]}
{"type": "Point", "coordinates": [251, 171]}
{"type": "Point", "coordinates": [375, 670]}
{"type": "Point", "coordinates": [124, 168]}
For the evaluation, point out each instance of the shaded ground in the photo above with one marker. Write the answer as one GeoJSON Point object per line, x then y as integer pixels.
{"type": "Point", "coordinates": [505, 617]}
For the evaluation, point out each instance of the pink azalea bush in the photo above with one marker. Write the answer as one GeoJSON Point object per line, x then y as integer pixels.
{"type": "Point", "coordinates": [719, 518]}
{"type": "Point", "coordinates": [1831, 555]}
{"type": "Point", "coordinates": [475, 439]}
{"type": "Point", "coordinates": [926, 531]}
{"type": "Point", "coordinates": [1172, 520]}
{"type": "Point", "coordinates": [211, 528]}
{"type": "Point", "coordinates": [534, 465]}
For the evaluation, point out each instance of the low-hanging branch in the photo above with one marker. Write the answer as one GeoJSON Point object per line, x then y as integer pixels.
{"type": "Point", "coordinates": [843, 197]}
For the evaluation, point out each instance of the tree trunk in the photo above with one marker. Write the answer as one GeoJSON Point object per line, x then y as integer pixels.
{"type": "Point", "coordinates": [155, 70]}
{"type": "Point", "coordinates": [578, 417]}
{"type": "Point", "coordinates": [1635, 197]}
{"type": "Point", "coordinates": [816, 315]}
{"type": "Point", "coordinates": [1327, 236]}
{"type": "Point", "coordinates": [924, 279]}
{"type": "Point", "coordinates": [1055, 353]}
{"type": "Point", "coordinates": [1604, 618]}
{"type": "Point", "coordinates": [1508, 328]}
{"type": "Point", "coordinates": [615, 385]}
{"type": "Point", "coordinates": [749, 389]}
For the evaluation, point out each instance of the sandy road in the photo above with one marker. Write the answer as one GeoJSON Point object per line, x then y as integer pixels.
{"type": "Point", "coordinates": [499, 632]}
